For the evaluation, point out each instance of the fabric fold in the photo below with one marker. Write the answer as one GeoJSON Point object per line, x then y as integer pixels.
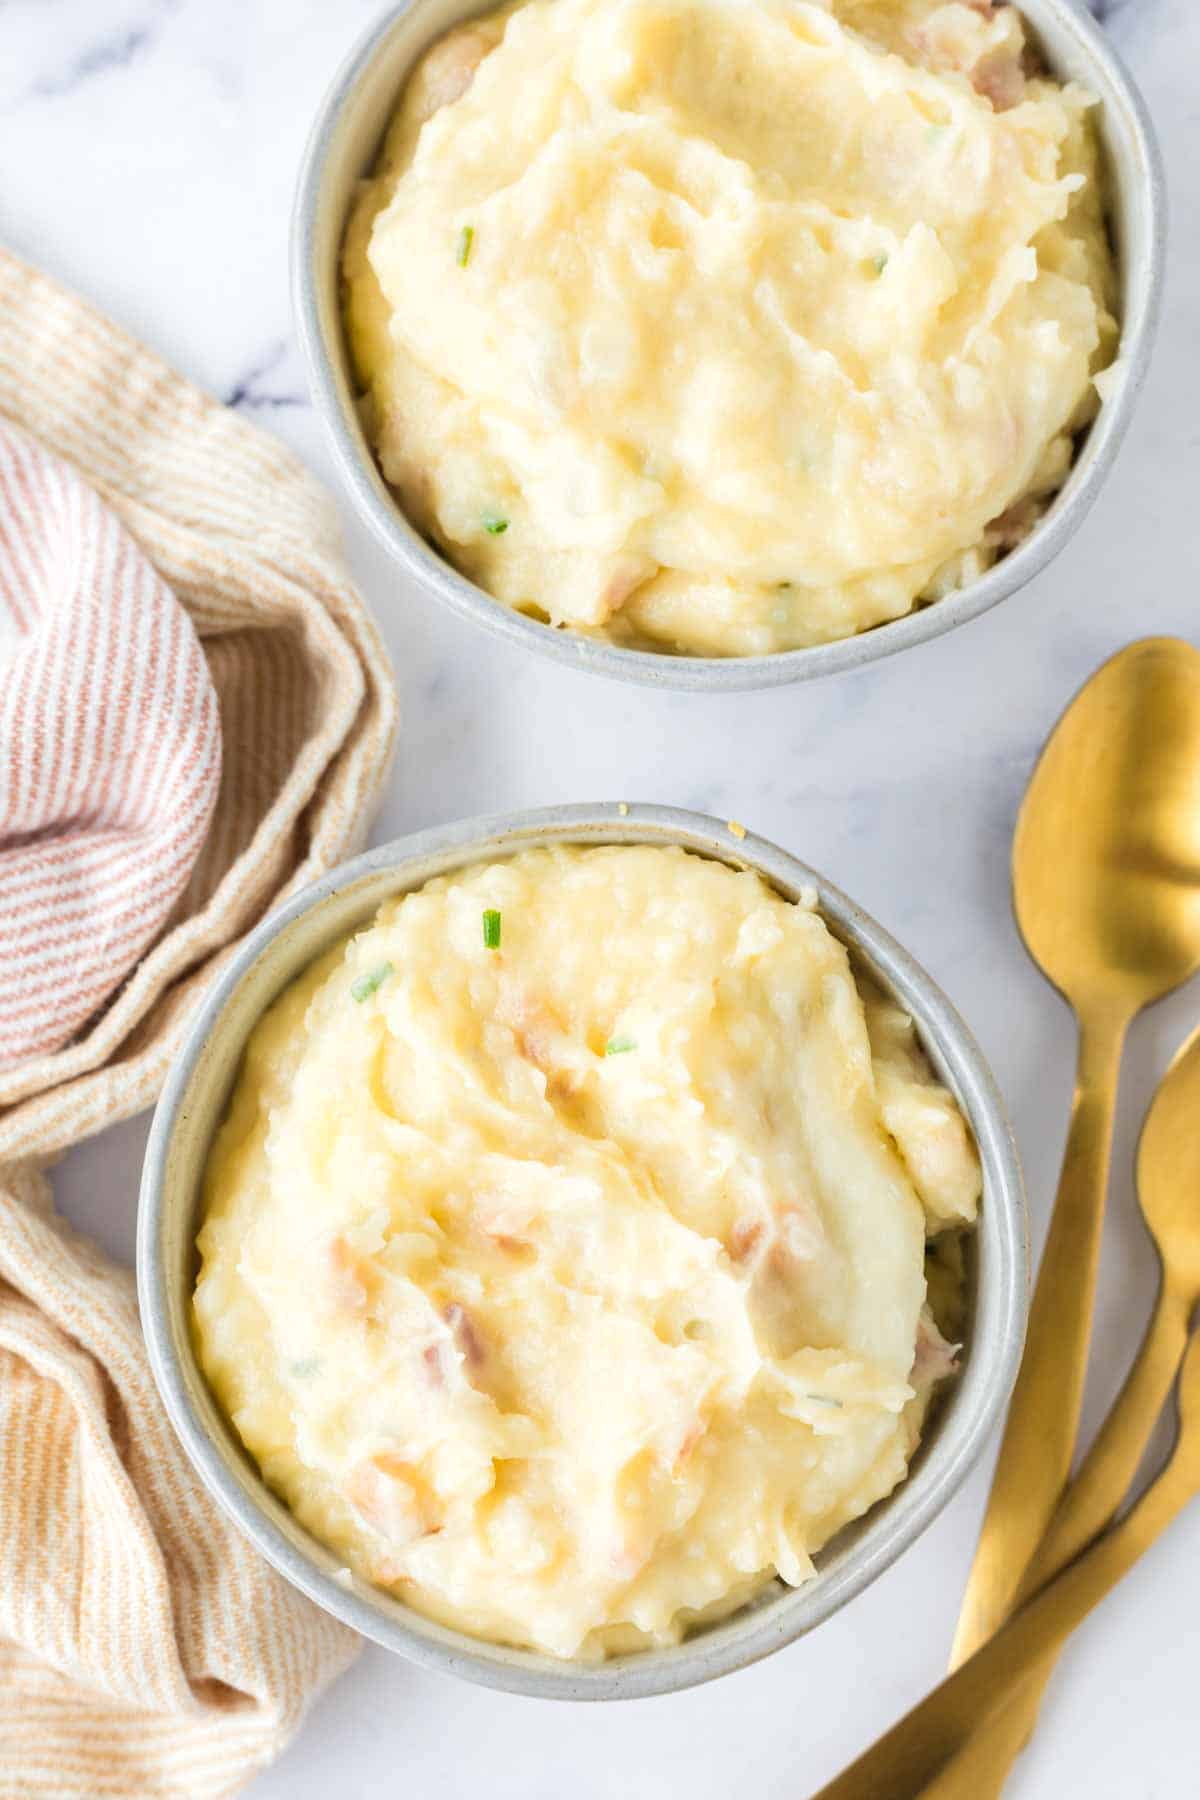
{"type": "Point", "coordinates": [145, 1648]}
{"type": "Point", "coordinates": [111, 747]}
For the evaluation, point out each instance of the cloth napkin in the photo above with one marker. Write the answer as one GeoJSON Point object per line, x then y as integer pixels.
{"type": "Point", "coordinates": [110, 745]}
{"type": "Point", "coordinates": [196, 717]}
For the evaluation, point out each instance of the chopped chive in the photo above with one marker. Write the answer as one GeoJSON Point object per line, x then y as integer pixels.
{"type": "Point", "coordinates": [495, 524]}
{"type": "Point", "coordinates": [491, 929]}
{"type": "Point", "coordinates": [617, 1046]}
{"type": "Point", "coordinates": [879, 263]}
{"type": "Point", "coordinates": [466, 238]}
{"type": "Point", "coordinates": [365, 986]}
{"type": "Point", "coordinates": [783, 586]}
{"type": "Point", "coordinates": [824, 1400]}
{"type": "Point", "coordinates": [307, 1367]}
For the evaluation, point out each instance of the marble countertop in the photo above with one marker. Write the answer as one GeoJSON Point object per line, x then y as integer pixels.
{"type": "Point", "coordinates": [149, 149]}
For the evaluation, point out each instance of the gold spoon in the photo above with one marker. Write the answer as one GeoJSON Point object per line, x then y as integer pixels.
{"type": "Point", "coordinates": [1106, 885]}
{"type": "Point", "coordinates": [895, 1766]}
{"type": "Point", "coordinates": [1168, 1180]}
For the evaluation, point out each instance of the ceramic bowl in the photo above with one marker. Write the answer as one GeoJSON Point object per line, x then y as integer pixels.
{"type": "Point", "coordinates": [342, 148]}
{"type": "Point", "coordinates": [193, 1103]}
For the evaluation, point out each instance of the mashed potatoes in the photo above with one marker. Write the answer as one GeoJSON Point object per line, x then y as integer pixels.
{"type": "Point", "coordinates": [730, 326]}
{"type": "Point", "coordinates": [564, 1247]}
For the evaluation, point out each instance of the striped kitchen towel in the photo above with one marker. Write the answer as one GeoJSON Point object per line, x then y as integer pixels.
{"type": "Point", "coordinates": [110, 750]}
{"type": "Point", "coordinates": [196, 718]}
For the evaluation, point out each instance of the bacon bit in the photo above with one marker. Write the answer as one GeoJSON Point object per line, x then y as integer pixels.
{"type": "Point", "coordinates": [535, 1042]}
{"type": "Point", "coordinates": [691, 1439]}
{"type": "Point", "coordinates": [629, 1557]}
{"type": "Point", "coordinates": [393, 1498]}
{"type": "Point", "coordinates": [504, 1240]}
{"type": "Point", "coordinates": [933, 1358]}
{"type": "Point", "coordinates": [1010, 528]}
{"type": "Point", "coordinates": [745, 1238]}
{"type": "Point", "coordinates": [465, 1335]}
{"type": "Point", "coordinates": [980, 6]}
{"type": "Point", "coordinates": [350, 1279]}
{"type": "Point", "coordinates": [999, 77]}
{"type": "Point", "coordinates": [628, 574]}
{"type": "Point", "coordinates": [539, 1036]}
{"type": "Point", "coordinates": [449, 69]}
{"type": "Point", "coordinates": [431, 1356]}
{"type": "Point", "coordinates": [501, 1221]}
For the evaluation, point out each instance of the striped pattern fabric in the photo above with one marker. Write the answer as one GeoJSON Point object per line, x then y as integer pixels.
{"type": "Point", "coordinates": [146, 1652]}
{"type": "Point", "coordinates": [110, 750]}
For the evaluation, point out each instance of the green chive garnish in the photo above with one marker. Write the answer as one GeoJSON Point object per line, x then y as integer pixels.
{"type": "Point", "coordinates": [495, 524]}
{"type": "Point", "coordinates": [305, 1369]}
{"type": "Point", "coordinates": [824, 1400]}
{"type": "Point", "coordinates": [879, 263]}
{"type": "Point", "coordinates": [491, 930]}
{"type": "Point", "coordinates": [466, 238]}
{"type": "Point", "coordinates": [617, 1046]}
{"type": "Point", "coordinates": [366, 985]}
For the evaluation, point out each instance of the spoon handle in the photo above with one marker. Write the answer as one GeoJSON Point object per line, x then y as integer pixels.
{"type": "Point", "coordinates": [900, 1765]}
{"type": "Point", "coordinates": [982, 1767]}
{"type": "Point", "coordinates": [1107, 1471]}
{"type": "Point", "coordinates": [1043, 1418]}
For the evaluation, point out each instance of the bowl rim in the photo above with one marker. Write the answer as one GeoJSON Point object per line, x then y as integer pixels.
{"type": "Point", "coordinates": [948, 1451]}
{"type": "Point", "coordinates": [1142, 281]}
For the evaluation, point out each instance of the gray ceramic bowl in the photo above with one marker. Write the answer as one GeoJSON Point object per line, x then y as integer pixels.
{"type": "Point", "coordinates": [194, 1100]}
{"type": "Point", "coordinates": [342, 148]}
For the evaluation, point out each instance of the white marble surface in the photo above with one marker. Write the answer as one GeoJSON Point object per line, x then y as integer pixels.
{"type": "Point", "coordinates": [148, 150]}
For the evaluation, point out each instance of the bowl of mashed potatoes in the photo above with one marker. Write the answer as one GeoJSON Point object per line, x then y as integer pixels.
{"type": "Point", "coordinates": [720, 345]}
{"type": "Point", "coordinates": [581, 1251]}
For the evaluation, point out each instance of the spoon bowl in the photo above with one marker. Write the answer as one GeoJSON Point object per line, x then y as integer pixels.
{"type": "Point", "coordinates": [1106, 860]}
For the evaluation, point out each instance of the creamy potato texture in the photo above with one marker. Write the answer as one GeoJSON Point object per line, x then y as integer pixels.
{"type": "Point", "coordinates": [730, 326]}
{"type": "Point", "coordinates": [573, 1288]}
